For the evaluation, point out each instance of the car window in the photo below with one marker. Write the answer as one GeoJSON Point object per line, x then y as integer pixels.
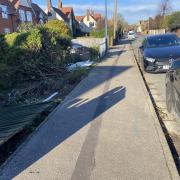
{"type": "Point", "coordinates": [162, 41]}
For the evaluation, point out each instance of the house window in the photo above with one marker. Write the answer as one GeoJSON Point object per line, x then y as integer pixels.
{"type": "Point", "coordinates": [4, 10]}
{"type": "Point", "coordinates": [6, 30]}
{"type": "Point", "coordinates": [29, 16]}
{"type": "Point", "coordinates": [91, 24]}
{"type": "Point", "coordinates": [22, 15]}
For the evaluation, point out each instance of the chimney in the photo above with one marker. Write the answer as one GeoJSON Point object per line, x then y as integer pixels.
{"type": "Point", "coordinates": [49, 6]}
{"type": "Point", "coordinates": [60, 4]}
{"type": "Point", "coordinates": [88, 15]}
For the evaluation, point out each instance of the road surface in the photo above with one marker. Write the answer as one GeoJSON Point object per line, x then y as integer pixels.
{"type": "Point", "coordinates": [106, 129]}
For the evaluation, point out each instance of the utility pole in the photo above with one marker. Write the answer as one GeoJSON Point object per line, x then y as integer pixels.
{"type": "Point", "coordinates": [148, 25]}
{"type": "Point", "coordinates": [106, 25]}
{"type": "Point", "coordinates": [115, 19]}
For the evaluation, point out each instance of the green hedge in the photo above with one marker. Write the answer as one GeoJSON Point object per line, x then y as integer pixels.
{"type": "Point", "coordinates": [58, 26]}
{"type": "Point", "coordinates": [101, 33]}
{"type": "Point", "coordinates": [31, 54]}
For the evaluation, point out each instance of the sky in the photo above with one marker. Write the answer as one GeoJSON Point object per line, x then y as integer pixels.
{"type": "Point", "coordinates": [132, 10]}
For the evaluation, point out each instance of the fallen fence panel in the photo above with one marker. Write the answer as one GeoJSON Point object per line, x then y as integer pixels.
{"type": "Point", "coordinates": [14, 119]}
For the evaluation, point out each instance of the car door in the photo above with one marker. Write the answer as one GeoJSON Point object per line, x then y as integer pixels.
{"type": "Point", "coordinates": [175, 74]}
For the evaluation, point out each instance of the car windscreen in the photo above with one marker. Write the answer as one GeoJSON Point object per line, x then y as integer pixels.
{"type": "Point", "coordinates": [131, 33]}
{"type": "Point", "coordinates": [162, 41]}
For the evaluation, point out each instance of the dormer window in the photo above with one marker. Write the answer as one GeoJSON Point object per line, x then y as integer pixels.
{"type": "Point", "coordinates": [29, 16]}
{"type": "Point", "coordinates": [22, 15]}
{"type": "Point", "coordinates": [4, 10]}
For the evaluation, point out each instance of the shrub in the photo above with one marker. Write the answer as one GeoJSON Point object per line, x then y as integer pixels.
{"type": "Point", "coordinates": [76, 75]}
{"type": "Point", "coordinates": [32, 54]}
{"type": "Point", "coordinates": [58, 26]}
{"type": "Point", "coordinates": [54, 46]}
{"type": "Point", "coordinates": [31, 40]}
{"type": "Point", "coordinates": [173, 20]}
{"type": "Point", "coordinates": [21, 47]}
{"type": "Point", "coordinates": [101, 33]}
{"type": "Point", "coordinates": [3, 47]}
{"type": "Point", "coordinates": [25, 27]}
{"type": "Point", "coordinates": [94, 52]}
{"type": "Point", "coordinates": [11, 38]}
{"type": "Point", "coordinates": [5, 73]}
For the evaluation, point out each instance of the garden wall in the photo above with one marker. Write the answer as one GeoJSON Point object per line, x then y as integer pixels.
{"type": "Point", "coordinates": [92, 42]}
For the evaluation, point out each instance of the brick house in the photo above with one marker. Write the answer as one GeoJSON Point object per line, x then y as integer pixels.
{"type": "Point", "coordinates": [15, 12]}
{"type": "Point", "coordinates": [29, 12]}
{"type": "Point", "coordinates": [7, 17]}
{"type": "Point", "coordinates": [40, 16]}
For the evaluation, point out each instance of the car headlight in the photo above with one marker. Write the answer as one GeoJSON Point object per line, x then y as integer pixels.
{"type": "Point", "coordinates": [150, 59]}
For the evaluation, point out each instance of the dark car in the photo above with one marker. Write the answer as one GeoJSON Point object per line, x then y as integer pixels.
{"type": "Point", "coordinates": [157, 50]}
{"type": "Point", "coordinates": [173, 88]}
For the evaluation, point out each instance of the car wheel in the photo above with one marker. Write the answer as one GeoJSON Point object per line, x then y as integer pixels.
{"type": "Point", "coordinates": [169, 97]}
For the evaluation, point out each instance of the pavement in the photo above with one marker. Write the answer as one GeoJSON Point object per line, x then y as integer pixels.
{"type": "Point", "coordinates": [106, 129]}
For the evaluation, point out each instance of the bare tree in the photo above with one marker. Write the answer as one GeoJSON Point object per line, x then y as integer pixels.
{"type": "Point", "coordinates": [164, 7]}
{"type": "Point", "coordinates": [163, 10]}
{"type": "Point", "coordinates": [100, 24]}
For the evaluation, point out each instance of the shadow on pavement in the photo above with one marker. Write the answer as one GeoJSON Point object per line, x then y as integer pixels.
{"type": "Point", "coordinates": [72, 118]}
{"type": "Point", "coordinates": [69, 118]}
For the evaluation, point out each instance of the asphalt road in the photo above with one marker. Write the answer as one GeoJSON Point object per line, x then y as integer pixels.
{"type": "Point", "coordinates": [156, 84]}
{"type": "Point", "coordinates": [106, 129]}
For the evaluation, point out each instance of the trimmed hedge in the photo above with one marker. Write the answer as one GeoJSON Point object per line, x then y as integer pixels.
{"type": "Point", "coordinates": [58, 26]}
{"type": "Point", "coordinates": [101, 33]}
{"type": "Point", "coordinates": [32, 54]}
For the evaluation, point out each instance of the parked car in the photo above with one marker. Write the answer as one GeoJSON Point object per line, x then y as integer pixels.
{"type": "Point", "coordinates": [156, 51]}
{"type": "Point", "coordinates": [173, 88]}
{"type": "Point", "coordinates": [131, 35]}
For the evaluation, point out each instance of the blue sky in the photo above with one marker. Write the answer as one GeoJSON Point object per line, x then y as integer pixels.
{"type": "Point", "coordinates": [132, 10]}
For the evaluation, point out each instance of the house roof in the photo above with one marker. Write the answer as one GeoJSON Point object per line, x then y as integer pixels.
{"type": "Point", "coordinates": [38, 10]}
{"type": "Point", "coordinates": [79, 18]}
{"type": "Point", "coordinates": [64, 12]}
{"type": "Point", "coordinates": [97, 16]}
{"type": "Point", "coordinates": [58, 11]}
{"type": "Point", "coordinates": [67, 11]}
